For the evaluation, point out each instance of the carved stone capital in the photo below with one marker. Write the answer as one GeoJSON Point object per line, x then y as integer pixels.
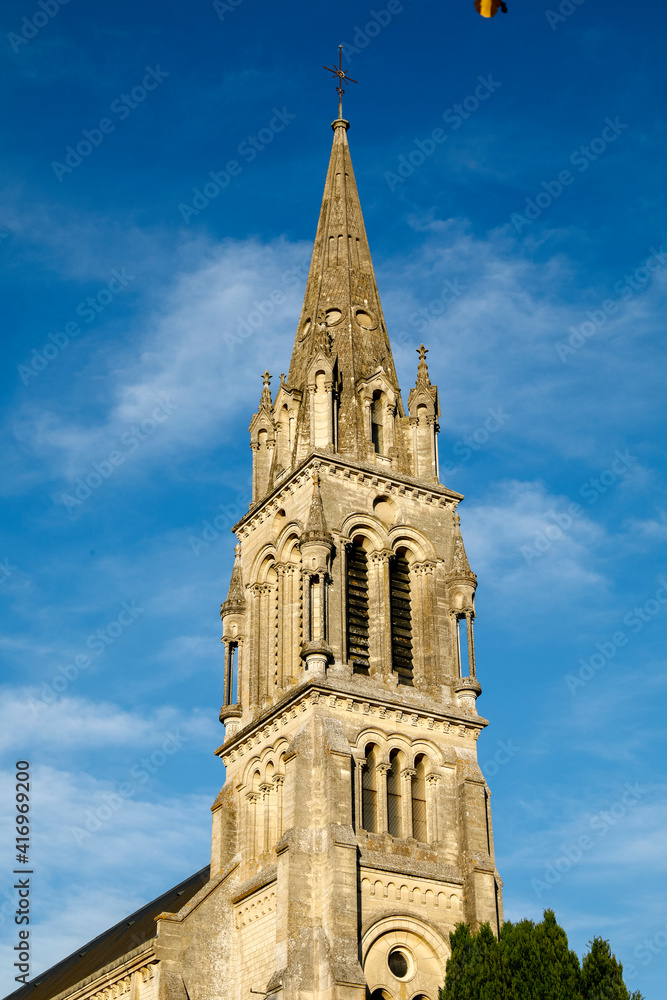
{"type": "Point", "coordinates": [425, 568]}
{"type": "Point", "coordinates": [380, 556]}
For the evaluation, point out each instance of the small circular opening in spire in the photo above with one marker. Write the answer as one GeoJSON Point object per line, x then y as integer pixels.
{"type": "Point", "coordinates": [305, 328]}
{"type": "Point", "coordinates": [364, 319]}
{"type": "Point", "coordinates": [333, 316]}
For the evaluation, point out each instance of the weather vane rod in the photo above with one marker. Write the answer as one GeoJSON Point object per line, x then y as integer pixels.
{"type": "Point", "coordinates": [342, 77]}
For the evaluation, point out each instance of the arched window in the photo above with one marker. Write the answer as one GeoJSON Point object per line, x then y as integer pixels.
{"type": "Point", "coordinates": [401, 617]}
{"type": "Point", "coordinates": [232, 674]}
{"type": "Point", "coordinates": [419, 830]}
{"type": "Point", "coordinates": [357, 608]}
{"type": "Point", "coordinates": [369, 792]}
{"type": "Point", "coordinates": [394, 794]}
{"type": "Point", "coordinates": [377, 422]}
{"type": "Point", "coordinates": [321, 412]}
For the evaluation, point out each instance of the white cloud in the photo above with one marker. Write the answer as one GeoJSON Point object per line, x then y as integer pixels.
{"type": "Point", "coordinates": [39, 717]}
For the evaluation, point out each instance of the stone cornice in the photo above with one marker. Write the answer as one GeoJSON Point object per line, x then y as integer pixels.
{"type": "Point", "coordinates": [409, 867]}
{"type": "Point", "coordinates": [370, 707]}
{"type": "Point", "coordinates": [109, 974]}
{"type": "Point", "coordinates": [391, 483]}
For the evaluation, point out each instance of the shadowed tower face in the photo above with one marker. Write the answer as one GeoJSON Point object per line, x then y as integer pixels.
{"type": "Point", "coordinates": [354, 828]}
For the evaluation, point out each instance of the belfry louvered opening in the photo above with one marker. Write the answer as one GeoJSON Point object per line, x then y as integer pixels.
{"type": "Point", "coordinates": [401, 617]}
{"type": "Point", "coordinates": [357, 609]}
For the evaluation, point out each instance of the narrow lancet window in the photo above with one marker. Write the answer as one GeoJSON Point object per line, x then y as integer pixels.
{"type": "Point", "coordinates": [377, 423]}
{"type": "Point", "coordinates": [419, 831]}
{"type": "Point", "coordinates": [232, 674]}
{"type": "Point", "coordinates": [401, 618]}
{"type": "Point", "coordinates": [464, 656]}
{"type": "Point", "coordinates": [394, 794]}
{"type": "Point", "coordinates": [357, 609]}
{"type": "Point", "coordinates": [369, 792]}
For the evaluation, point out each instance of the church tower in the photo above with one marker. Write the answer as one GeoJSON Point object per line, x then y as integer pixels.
{"type": "Point", "coordinates": [354, 828]}
{"type": "Point", "coordinates": [353, 831]}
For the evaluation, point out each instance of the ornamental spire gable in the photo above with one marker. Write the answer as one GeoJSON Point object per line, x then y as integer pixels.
{"type": "Point", "coordinates": [342, 321]}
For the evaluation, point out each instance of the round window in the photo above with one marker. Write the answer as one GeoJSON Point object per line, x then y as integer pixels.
{"type": "Point", "coordinates": [304, 329]}
{"type": "Point", "coordinates": [333, 316]}
{"type": "Point", "coordinates": [363, 319]}
{"type": "Point", "coordinates": [399, 961]}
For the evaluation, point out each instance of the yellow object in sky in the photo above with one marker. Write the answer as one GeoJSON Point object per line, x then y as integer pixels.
{"type": "Point", "coordinates": [489, 8]}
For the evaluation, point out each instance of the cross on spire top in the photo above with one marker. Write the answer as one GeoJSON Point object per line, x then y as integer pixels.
{"type": "Point", "coordinates": [342, 77]}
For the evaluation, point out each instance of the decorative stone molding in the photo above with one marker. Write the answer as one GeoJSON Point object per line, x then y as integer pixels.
{"type": "Point", "coordinates": [467, 729]}
{"type": "Point", "coordinates": [410, 890]}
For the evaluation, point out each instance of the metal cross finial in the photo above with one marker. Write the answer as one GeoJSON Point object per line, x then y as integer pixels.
{"type": "Point", "coordinates": [342, 77]}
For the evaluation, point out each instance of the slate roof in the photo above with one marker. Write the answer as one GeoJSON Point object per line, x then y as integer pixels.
{"type": "Point", "coordinates": [126, 936]}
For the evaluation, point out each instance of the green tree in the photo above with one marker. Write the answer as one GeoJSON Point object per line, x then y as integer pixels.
{"type": "Point", "coordinates": [530, 962]}
{"type": "Point", "coordinates": [602, 974]}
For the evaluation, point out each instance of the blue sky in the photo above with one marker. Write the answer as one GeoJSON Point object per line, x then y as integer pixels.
{"type": "Point", "coordinates": [521, 236]}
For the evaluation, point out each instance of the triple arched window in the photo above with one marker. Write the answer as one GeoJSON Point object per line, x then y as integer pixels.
{"type": "Point", "coordinates": [393, 795]}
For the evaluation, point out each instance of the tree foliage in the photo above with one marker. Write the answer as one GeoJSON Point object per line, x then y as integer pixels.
{"type": "Point", "coordinates": [530, 962]}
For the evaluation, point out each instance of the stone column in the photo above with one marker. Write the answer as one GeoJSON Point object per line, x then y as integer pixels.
{"type": "Point", "coordinates": [407, 775]}
{"type": "Point", "coordinates": [311, 395]}
{"type": "Point", "coordinates": [380, 608]}
{"type": "Point", "coordinates": [330, 433]}
{"type": "Point", "coordinates": [381, 782]}
{"type": "Point", "coordinates": [251, 829]}
{"type": "Point", "coordinates": [390, 412]}
{"type": "Point", "coordinates": [432, 423]}
{"type": "Point", "coordinates": [359, 765]}
{"type": "Point", "coordinates": [471, 643]}
{"type": "Point", "coordinates": [414, 423]}
{"type": "Point", "coordinates": [266, 788]}
{"type": "Point", "coordinates": [279, 781]}
{"type": "Point", "coordinates": [432, 823]}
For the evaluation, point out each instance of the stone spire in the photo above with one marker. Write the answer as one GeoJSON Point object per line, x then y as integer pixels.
{"type": "Point", "coordinates": [236, 593]}
{"type": "Point", "coordinates": [460, 567]}
{"type": "Point", "coordinates": [316, 526]}
{"type": "Point", "coordinates": [265, 402]}
{"type": "Point", "coordinates": [341, 321]}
